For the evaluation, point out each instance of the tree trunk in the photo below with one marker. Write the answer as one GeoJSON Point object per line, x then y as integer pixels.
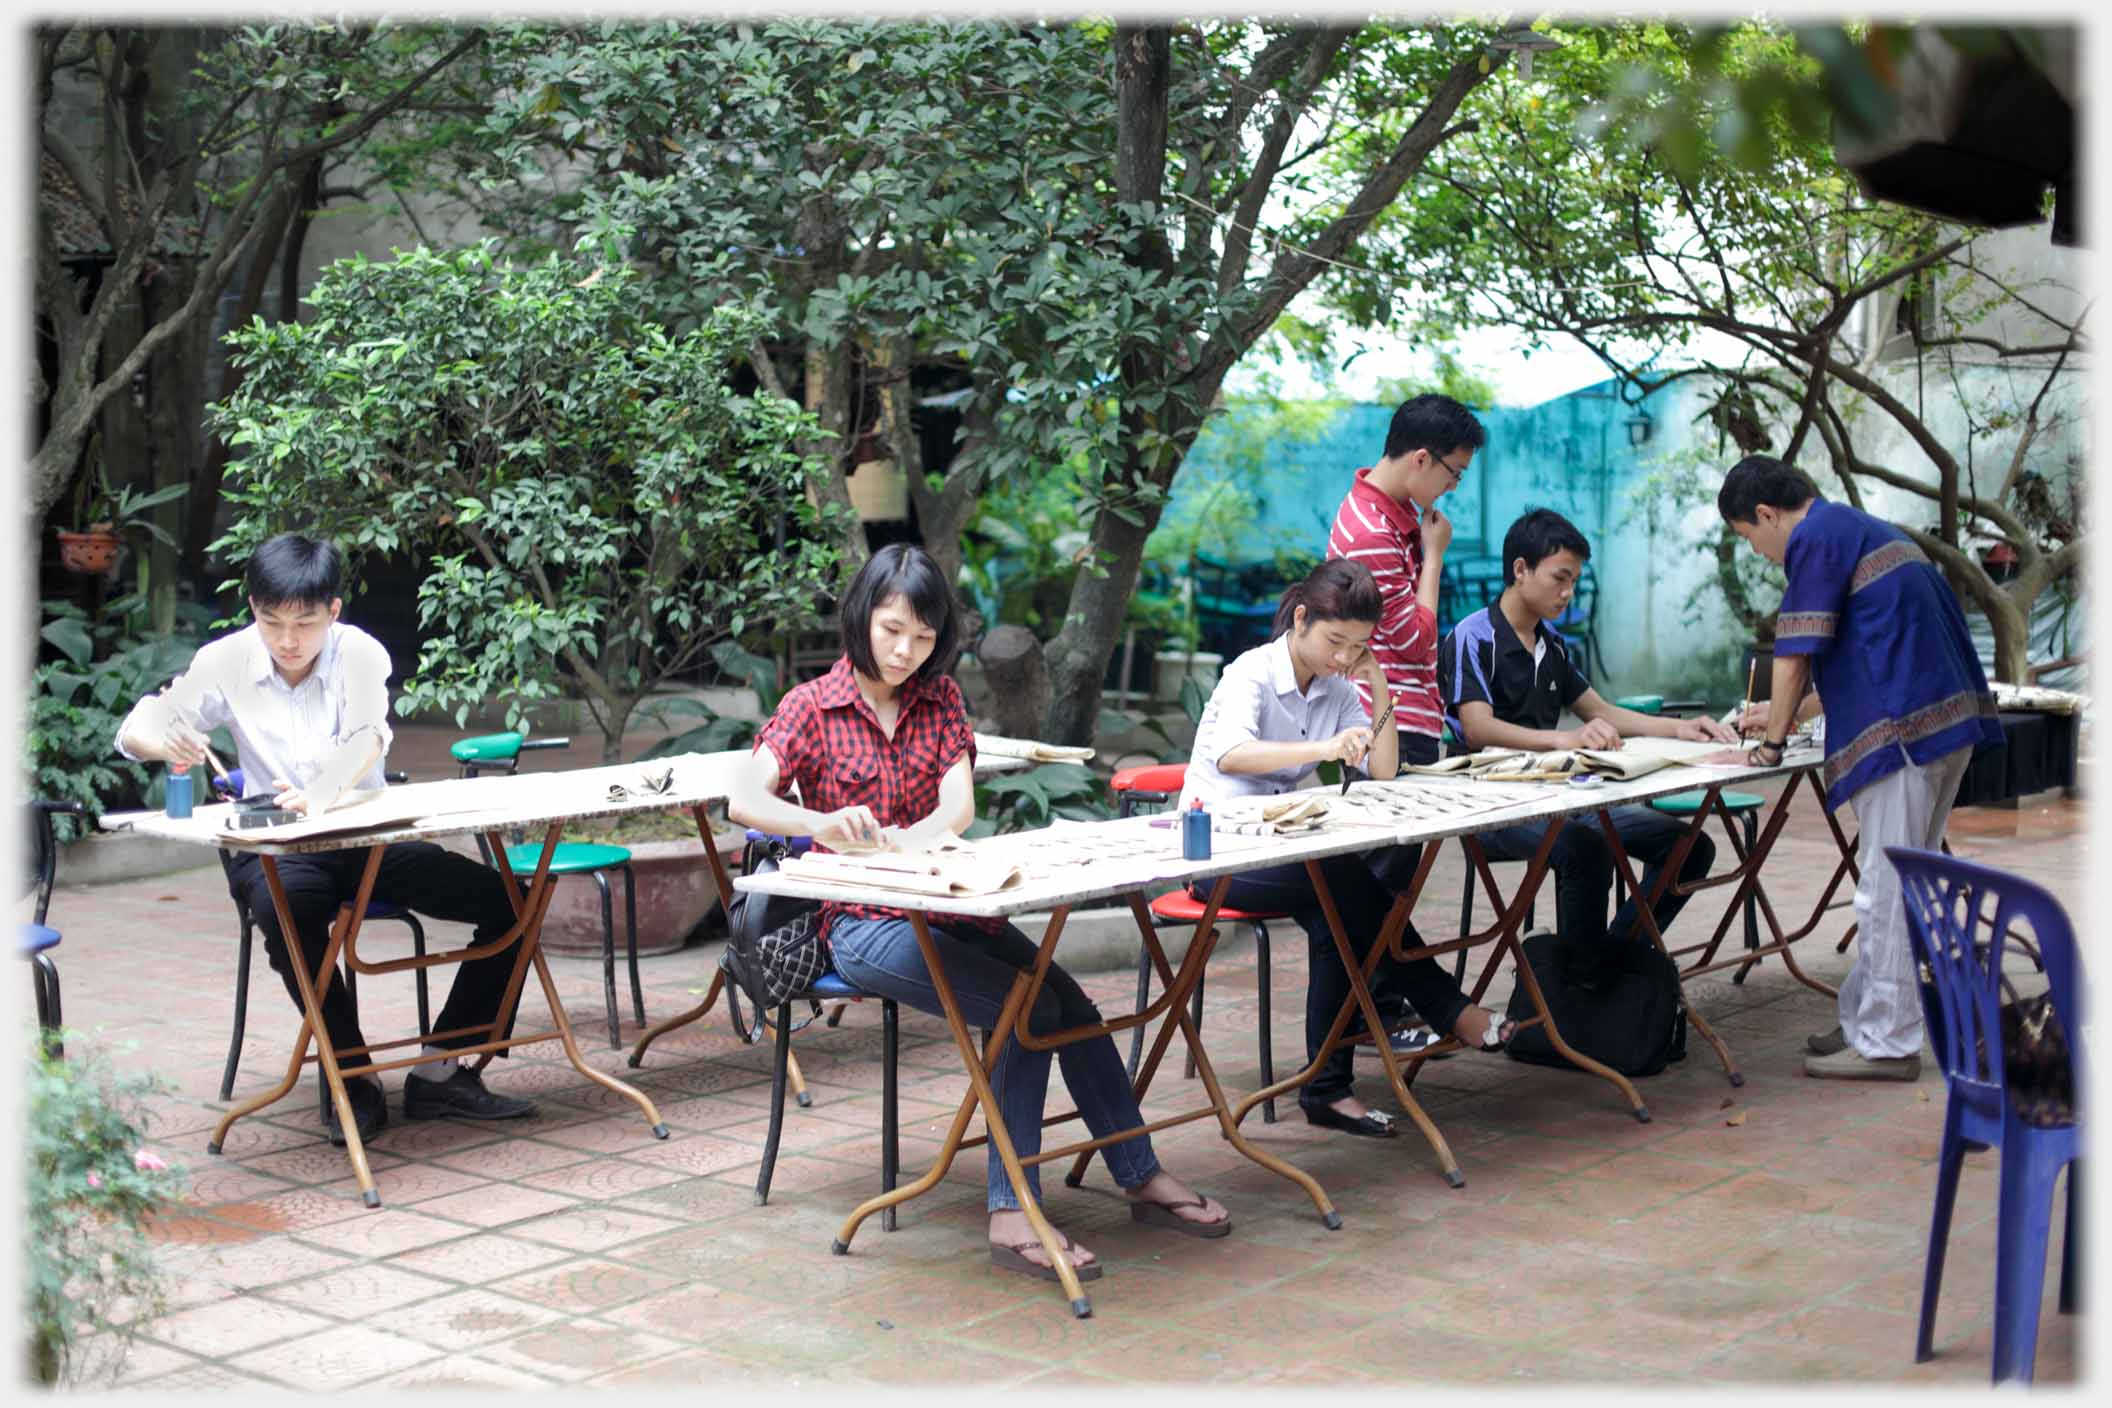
{"type": "Point", "coordinates": [942, 513]}
{"type": "Point", "coordinates": [1017, 669]}
{"type": "Point", "coordinates": [612, 729]}
{"type": "Point", "coordinates": [2011, 621]}
{"type": "Point", "coordinates": [1079, 654]}
{"type": "Point", "coordinates": [205, 490]}
{"type": "Point", "coordinates": [172, 420]}
{"type": "Point", "coordinates": [828, 397]}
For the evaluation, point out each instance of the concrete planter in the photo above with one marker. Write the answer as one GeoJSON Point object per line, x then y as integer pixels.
{"type": "Point", "coordinates": [1105, 940]}
{"type": "Point", "coordinates": [675, 895]}
{"type": "Point", "coordinates": [1173, 666]}
{"type": "Point", "coordinates": [102, 857]}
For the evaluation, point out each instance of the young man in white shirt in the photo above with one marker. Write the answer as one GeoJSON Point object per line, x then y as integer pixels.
{"type": "Point", "coordinates": [306, 698]}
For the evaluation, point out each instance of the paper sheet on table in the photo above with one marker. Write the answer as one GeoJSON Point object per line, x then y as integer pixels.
{"type": "Point", "coordinates": [370, 810]}
{"type": "Point", "coordinates": [957, 871]}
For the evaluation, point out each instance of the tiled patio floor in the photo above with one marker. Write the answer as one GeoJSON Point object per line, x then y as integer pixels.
{"type": "Point", "coordinates": [574, 1248]}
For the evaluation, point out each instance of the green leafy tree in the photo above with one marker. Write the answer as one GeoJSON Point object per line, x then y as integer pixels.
{"type": "Point", "coordinates": [599, 507]}
{"type": "Point", "coordinates": [1081, 227]}
{"type": "Point", "coordinates": [1779, 289]}
{"type": "Point", "coordinates": [199, 158]}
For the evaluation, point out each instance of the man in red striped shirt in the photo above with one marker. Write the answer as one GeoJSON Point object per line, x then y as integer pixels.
{"type": "Point", "coordinates": [1391, 524]}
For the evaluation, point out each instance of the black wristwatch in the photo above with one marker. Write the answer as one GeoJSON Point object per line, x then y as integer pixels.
{"type": "Point", "coordinates": [1769, 745]}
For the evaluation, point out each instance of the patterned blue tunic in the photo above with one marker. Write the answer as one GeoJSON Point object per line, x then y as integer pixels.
{"type": "Point", "coordinates": [1891, 656]}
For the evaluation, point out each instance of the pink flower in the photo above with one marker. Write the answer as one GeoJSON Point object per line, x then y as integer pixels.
{"type": "Point", "coordinates": [146, 1161]}
{"type": "Point", "coordinates": [95, 1180]}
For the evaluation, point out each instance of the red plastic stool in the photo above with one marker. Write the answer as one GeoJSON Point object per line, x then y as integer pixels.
{"type": "Point", "coordinates": [1159, 784]}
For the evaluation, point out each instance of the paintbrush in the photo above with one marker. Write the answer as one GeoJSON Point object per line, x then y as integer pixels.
{"type": "Point", "coordinates": [1350, 774]}
{"type": "Point", "coordinates": [1751, 666]}
{"type": "Point", "coordinates": [218, 770]}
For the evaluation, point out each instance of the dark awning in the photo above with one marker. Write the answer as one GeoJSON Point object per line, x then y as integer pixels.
{"type": "Point", "coordinates": [1977, 139]}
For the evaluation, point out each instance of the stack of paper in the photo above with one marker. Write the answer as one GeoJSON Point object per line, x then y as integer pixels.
{"type": "Point", "coordinates": [1270, 816]}
{"type": "Point", "coordinates": [1033, 750]}
{"type": "Point", "coordinates": [952, 871]}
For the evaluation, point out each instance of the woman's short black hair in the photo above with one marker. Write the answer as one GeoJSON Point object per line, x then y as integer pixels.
{"type": "Point", "coordinates": [905, 570]}
{"type": "Point", "coordinates": [1435, 423]}
{"type": "Point", "coordinates": [1539, 534]}
{"type": "Point", "coordinates": [293, 570]}
{"type": "Point", "coordinates": [1762, 479]}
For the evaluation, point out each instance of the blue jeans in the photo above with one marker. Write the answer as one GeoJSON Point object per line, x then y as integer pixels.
{"type": "Point", "coordinates": [882, 956]}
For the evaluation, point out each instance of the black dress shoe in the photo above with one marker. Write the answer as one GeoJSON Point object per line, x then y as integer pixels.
{"type": "Point", "coordinates": [461, 1096]}
{"type": "Point", "coordinates": [1371, 1124]}
{"type": "Point", "coordinates": [370, 1110]}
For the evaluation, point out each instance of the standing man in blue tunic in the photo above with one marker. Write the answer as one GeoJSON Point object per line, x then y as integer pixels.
{"type": "Point", "coordinates": [1869, 623]}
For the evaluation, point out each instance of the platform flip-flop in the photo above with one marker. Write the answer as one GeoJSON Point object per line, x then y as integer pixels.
{"type": "Point", "coordinates": [1010, 1258]}
{"type": "Point", "coordinates": [1163, 1215]}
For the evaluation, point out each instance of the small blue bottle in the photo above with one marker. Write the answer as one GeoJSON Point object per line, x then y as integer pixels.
{"type": "Point", "coordinates": [1195, 832]}
{"type": "Point", "coordinates": [178, 797]}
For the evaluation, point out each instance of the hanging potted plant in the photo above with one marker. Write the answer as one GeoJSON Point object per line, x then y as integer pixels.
{"type": "Point", "coordinates": [90, 546]}
{"type": "Point", "coordinates": [103, 516]}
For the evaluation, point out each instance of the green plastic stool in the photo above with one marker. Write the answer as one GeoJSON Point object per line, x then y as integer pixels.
{"type": "Point", "coordinates": [1745, 806]}
{"type": "Point", "coordinates": [501, 752]}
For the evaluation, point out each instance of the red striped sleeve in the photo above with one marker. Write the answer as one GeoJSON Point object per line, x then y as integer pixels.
{"type": "Point", "coordinates": [1405, 642]}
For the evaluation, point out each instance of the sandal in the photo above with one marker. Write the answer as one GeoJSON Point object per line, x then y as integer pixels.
{"type": "Point", "coordinates": [1495, 1035]}
{"type": "Point", "coordinates": [1013, 1258]}
{"type": "Point", "coordinates": [1163, 1215]}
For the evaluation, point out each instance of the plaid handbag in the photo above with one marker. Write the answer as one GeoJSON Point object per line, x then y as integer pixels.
{"type": "Point", "coordinates": [774, 948]}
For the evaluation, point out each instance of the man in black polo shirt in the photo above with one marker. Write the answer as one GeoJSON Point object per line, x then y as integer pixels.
{"type": "Point", "coordinates": [1500, 692]}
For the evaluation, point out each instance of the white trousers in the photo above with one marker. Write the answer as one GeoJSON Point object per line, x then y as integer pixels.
{"type": "Point", "coordinates": [1881, 1001]}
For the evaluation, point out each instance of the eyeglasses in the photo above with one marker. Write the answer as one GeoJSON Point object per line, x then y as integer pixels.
{"type": "Point", "coordinates": [1457, 471]}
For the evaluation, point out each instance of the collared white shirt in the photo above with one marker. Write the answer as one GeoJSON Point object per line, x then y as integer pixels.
{"type": "Point", "coordinates": [282, 731]}
{"type": "Point", "coordinates": [1258, 699]}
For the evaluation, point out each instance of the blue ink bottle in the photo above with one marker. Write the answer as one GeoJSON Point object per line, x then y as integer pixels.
{"type": "Point", "coordinates": [1195, 832]}
{"type": "Point", "coordinates": [177, 800]}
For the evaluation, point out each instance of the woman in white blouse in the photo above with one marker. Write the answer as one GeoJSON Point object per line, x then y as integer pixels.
{"type": "Point", "coordinates": [1279, 711]}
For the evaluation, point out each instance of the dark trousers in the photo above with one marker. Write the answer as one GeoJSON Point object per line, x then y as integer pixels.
{"type": "Point", "coordinates": [416, 875]}
{"type": "Point", "coordinates": [1583, 867]}
{"type": "Point", "coordinates": [1361, 898]}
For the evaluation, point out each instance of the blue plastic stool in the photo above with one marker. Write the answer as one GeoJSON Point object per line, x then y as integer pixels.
{"type": "Point", "coordinates": [1961, 993]}
{"type": "Point", "coordinates": [37, 941]}
{"type": "Point", "coordinates": [36, 938]}
{"type": "Point", "coordinates": [831, 986]}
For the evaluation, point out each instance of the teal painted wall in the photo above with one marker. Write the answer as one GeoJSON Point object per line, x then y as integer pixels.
{"type": "Point", "coordinates": [1572, 454]}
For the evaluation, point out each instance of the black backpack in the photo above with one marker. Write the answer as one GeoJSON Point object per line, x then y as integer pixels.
{"type": "Point", "coordinates": [1619, 1004]}
{"type": "Point", "coordinates": [774, 947]}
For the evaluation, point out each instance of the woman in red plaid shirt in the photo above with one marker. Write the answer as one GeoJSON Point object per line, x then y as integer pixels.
{"type": "Point", "coordinates": [881, 751]}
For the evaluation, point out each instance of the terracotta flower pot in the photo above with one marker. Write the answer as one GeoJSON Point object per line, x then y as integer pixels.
{"type": "Point", "coordinates": [675, 894]}
{"type": "Point", "coordinates": [90, 552]}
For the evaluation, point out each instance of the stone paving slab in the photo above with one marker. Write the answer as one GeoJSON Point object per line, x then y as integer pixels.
{"type": "Point", "coordinates": [572, 1248]}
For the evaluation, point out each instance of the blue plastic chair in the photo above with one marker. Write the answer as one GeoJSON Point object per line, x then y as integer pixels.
{"type": "Point", "coordinates": [37, 939]}
{"type": "Point", "coordinates": [233, 785]}
{"type": "Point", "coordinates": [831, 987]}
{"type": "Point", "coordinates": [501, 752]}
{"type": "Point", "coordinates": [1958, 916]}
